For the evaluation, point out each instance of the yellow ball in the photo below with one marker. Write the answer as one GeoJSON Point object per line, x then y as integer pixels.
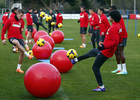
{"type": "Point", "coordinates": [40, 42]}
{"type": "Point", "coordinates": [71, 54]}
{"type": "Point", "coordinates": [52, 23]}
{"type": "Point", "coordinates": [60, 25]}
{"type": "Point", "coordinates": [48, 18]}
{"type": "Point", "coordinates": [50, 34]}
{"type": "Point", "coordinates": [30, 52]}
{"type": "Point", "coordinates": [42, 14]}
{"type": "Point", "coordinates": [139, 35]}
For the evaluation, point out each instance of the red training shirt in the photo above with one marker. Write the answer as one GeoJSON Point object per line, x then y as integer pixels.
{"type": "Point", "coordinates": [5, 17]}
{"type": "Point", "coordinates": [94, 21]}
{"type": "Point", "coordinates": [29, 19]}
{"type": "Point", "coordinates": [12, 15]}
{"type": "Point", "coordinates": [104, 24]}
{"type": "Point", "coordinates": [112, 40]}
{"type": "Point", "coordinates": [14, 26]}
{"type": "Point", "coordinates": [59, 18]}
{"type": "Point", "coordinates": [83, 19]}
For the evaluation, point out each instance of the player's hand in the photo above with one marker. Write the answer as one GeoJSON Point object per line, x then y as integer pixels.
{"type": "Point", "coordinates": [97, 27]}
{"type": "Point", "coordinates": [102, 34]}
{"type": "Point", "coordinates": [78, 21]}
{"type": "Point", "coordinates": [101, 47]}
{"type": "Point", "coordinates": [100, 43]}
{"type": "Point", "coordinates": [4, 42]}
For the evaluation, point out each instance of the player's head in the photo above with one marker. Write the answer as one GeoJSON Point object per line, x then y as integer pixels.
{"type": "Point", "coordinates": [112, 8]}
{"type": "Point", "coordinates": [7, 10]}
{"type": "Point", "coordinates": [35, 11]}
{"type": "Point", "coordinates": [51, 11]}
{"type": "Point", "coordinates": [114, 16]}
{"type": "Point", "coordinates": [100, 11]}
{"type": "Point", "coordinates": [14, 10]}
{"type": "Point", "coordinates": [91, 11]}
{"type": "Point", "coordinates": [57, 11]}
{"type": "Point", "coordinates": [20, 14]}
{"type": "Point", "coordinates": [30, 10]}
{"type": "Point", "coordinates": [40, 9]}
{"type": "Point", "coordinates": [82, 8]}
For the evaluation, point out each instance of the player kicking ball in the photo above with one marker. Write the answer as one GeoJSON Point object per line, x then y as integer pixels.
{"type": "Point", "coordinates": [14, 27]}
{"type": "Point", "coordinates": [105, 50]}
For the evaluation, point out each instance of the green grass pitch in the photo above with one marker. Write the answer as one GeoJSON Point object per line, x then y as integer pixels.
{"type": "Point", "coordinates": [78, 83]}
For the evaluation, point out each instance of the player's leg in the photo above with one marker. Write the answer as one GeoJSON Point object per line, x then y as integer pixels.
{"type": "Point", "coordinates": [49, 27]}
{"type": "Point", "coordinates": [93, 39]}
{"type": "Point", "coordinates": [117, 55]}
{"type": "Point", "coordinates": [41, 24]}
{"type": "Point", "coordinates": [97, 35]}
{"type": "Point", "coordinates": [100, 59]}
{"type": "Point", "coordinates": [83, 32]}
{"type": "Point", "coordinates": [29, 35]}
{"type": "Point", "coordinates": [91, 53]}
{"type": "Point", "coordinates": [37, 26]}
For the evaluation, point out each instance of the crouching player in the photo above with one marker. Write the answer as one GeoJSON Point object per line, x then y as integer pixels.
{"type": "Point", "coordinates": [107, 49]}
{"type": "Point", "coordinates": [14, 27]}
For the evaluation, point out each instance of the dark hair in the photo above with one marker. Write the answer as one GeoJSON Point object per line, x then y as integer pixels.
{"type": "Point", "coordinates": [57, 11]}
{"type": "Point", "coordinates": [14, 9]}
{"type": "Point", "coordinates": [20, 11]}
{"type": "Point", "coordinates": [114, 14]}
{"type": "Point", "coordinates": [102, 9]}
{"type": "Point", "coordinates": [30, 8]}
{"type": "Point", "coordinates": [34, 10]}
{"type": "Point", "coordinates": [92, 9]}
{"type": "Point", "coordinates": [83, 7]}
{"type": "Point", "coordinates": [113, 7]}
{"type": "Point", "coordinates": [7, 10]}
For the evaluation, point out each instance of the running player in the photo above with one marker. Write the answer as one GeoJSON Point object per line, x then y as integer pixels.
{"type": "Point", "coordinates": [120, 58]}
{"type": "Point", "coordinates": [14, 27]}
{"type": "Point", "coordinates": [59, 19]}
{"type": "Point", "coordinates": [83, 26]}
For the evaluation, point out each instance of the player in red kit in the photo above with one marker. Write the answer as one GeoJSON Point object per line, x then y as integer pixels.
{"type": "Point", "coordinates": [14, 27]}
{"type": "Point", "coordinates": [120, 58]}
{"type": "Point", "coordinates": [14, 11]}
{"type": "Point", "coordinates": [103, 25]}
{"type": "Point", "coordinates": [83, 26]}
{"type": "Point", "coordinates": [29, 27]}
{"type": "Point", "coordinates": [59, 19]}
{"type": "Point", "coordinates": [4, 19]}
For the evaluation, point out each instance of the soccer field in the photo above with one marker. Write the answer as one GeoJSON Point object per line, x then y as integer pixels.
{"type": "Point", "coordinates": [77, 84]}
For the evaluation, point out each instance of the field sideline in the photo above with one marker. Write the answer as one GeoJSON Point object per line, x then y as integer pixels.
{"type": "Point", "coordinates": [78, 83]}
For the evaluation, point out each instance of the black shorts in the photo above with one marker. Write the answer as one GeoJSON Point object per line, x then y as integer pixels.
{"type": "Point", "coordinates": [102, 38]}
{"type": "Point", "coordinates": [90, 29]}
{"type": "Point", "coordinates": [19, 40]}
{"type": "Point", "coordinates": [83, 30]}
{"type": "Point", "coordinates": [124, 42]}
{"type": "Point", "coordinates": [30, 28]}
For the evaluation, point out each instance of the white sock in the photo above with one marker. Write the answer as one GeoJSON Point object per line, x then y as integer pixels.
{"type": "Point", "coordinates": [30, 40]}
{"type": "Point", "coordinates": [119, 66]}
{"type": "Point", "coordinates": [84, 44]}
{"type": "Point", "coordinates": [102, 86]}
{"type": "Point", "coordinates": [26, 54]}
{"type": "Point", "coordinates": [75, 59]}
{"type": "Point", "coordinates": [124, 67]}
{"type": "Point", "coordinates": [5, 35]}
{"type": "Point", "coordinates": [18, 66]}
{"type": "Point", "coordinates": [26, 45]}
{"type": "Point", "coordinates": [26, 41]}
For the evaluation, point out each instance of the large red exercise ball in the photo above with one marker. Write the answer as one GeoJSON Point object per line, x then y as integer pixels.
{"type": "Point", "coordinates": [43, 52]}
{"type": "Point", "coordinates": [48, 39]}
{"type": "Point", "coordinates": [60, 60]}
{"type": "Point", "coordinates": [33, 33]}
{"type": "Point", "coordinates": [42, 80]}
{"type": "Point", "coordinates": [38, 34]}
{"type": "Point", "coordinates": [58, 36]}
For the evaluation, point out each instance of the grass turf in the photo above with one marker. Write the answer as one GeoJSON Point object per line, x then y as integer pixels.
{"type": "Point", "coordinates": [78, 83]}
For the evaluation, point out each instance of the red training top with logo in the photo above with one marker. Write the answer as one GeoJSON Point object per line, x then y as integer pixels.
{"type": "Point", "coordinates": [14, 28]}
{"type": "Point", "coordinates": [5, 17]}
{"type": "Point", "coordinates": [83, 19]}
{"type": "Point", "coordinates": [12, 15]}
{"type": "Point", "coordinates": [59, 18]}
{"type": "Point", "coordinates": [94, 21]}
{"type": "Point", "coordinates": [112, 40]}
{"type": "Point", "coordinates": [124, 32]}
{"type": "Point", "coordinates": [104, 25]}
{"type": "Point", "coordinates": [29, 19]}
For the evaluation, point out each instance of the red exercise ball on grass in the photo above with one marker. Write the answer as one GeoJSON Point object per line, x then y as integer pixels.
{"type": "Point", "coordinates": [42, 80]}
{"type": "Point", "coordinates": [43, 52]}
{"type": "Point", "coordinates": [33, 33]}
{"type": "Point", "coordinates": [58, 36]}
{"type": "Point", "coordinates": [48, 39]}
{"type": "Point", "coordinates": [38, 34]}
{"type": "Point", "coordinates": [60, 60]}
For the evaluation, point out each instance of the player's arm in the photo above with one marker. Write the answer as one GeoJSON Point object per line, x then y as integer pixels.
{"type": "Point", "coordinates": [106, 24]}
{"type": "Point", "coordinates": [6, 26]}
{"type": "Point", "coordinates": [114, 33]}
{"type": "Point", "coordinates": [95, 21]}
{"type": "Point", "coordinates": [57, 19]}
{"type": "Point", "coordinates": [86, 20]}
